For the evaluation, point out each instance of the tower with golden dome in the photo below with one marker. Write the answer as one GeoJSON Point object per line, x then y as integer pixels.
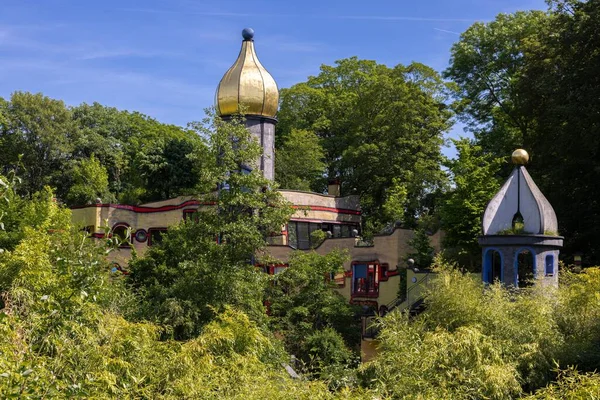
{"type": "Point", "coordinates": [249, 88]}
{"type": "Point", "coordinates": [520, 238]}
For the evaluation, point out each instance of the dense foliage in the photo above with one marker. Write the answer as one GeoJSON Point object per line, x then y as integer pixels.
{"type": "Point", "coordinates": [475, 177]}
{"type": "Point", "coordinates": [92, 152]}
{"type": "Point", "coordinates": [68, 330]}
{"type": "Point", "coordinates": [209, 262]}
{"type": "Point", "coordinates": [196, 318]}
{"type": "Point", "coordinates": [299, 161]}
{"type": "Point", "coordinates": [378, 126]}
{"type": "Point", "coordinates": [530, 80]}
{"type": "Point", "coordinates": [423, 252]}
{"type": "Point", "coordinates": [317, 324]}
{"type": "Point", "coordinates": [474, 342]}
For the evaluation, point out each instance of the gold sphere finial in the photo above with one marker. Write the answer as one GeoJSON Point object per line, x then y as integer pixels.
{"type": "Point", "coordinates": [520, 157]}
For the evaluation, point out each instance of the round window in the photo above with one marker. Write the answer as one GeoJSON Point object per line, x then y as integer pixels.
{"type": "Point", "coordinates": [141, 235]}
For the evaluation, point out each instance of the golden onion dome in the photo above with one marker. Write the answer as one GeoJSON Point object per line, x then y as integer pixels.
{"type": "Point", "coordinates": [520, 157]}
{"type": "Point", "coordinates": [247, 83]}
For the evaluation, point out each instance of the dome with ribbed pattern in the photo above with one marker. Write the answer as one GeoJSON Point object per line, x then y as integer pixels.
{"type": "Point", "coordinates": [247, 83]}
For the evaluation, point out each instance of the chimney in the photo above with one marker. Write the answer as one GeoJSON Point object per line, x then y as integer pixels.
{"type": "Point", "coordinates": [333, 188]}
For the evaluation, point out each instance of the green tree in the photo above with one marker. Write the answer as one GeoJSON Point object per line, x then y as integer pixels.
{"type": "Point", "coordinates": [561, 96]}
{"type": "Point", "coordinates": [38, 136]}
{"type": "Point", "coordinates": [528, 80]}
{"type": "Point", "coordinates": [173, 154]}
{"type": "Point", "coordinates": [172, 168]}
{"type": "Point", "coordinates": [422, 250]}
{"type": "Point", "coordinates": [3, 119]}
{"type": "Point", "coordinates": [145, 159]}
{"type": "Point", "coordinates": [475, 178]}
{"type": "Point", "coordinates": [487, 64]}
{"type": "Point", "coordinates": [302, 303]}
{"type": "Point", "coordinates": [63, 333]}
{"type": "Point", "coordinates": [299, 162]}
{"type": "Point", "coordinates": [104, 132]}
{"type": "Point", "coordinates": [16, 213]}
{"type": "Point", "coordinates": [89, 182]}
{"type": "Point", "coordinates": [375, 124]}
{"type": "Point", "coordinates": [204, 265]}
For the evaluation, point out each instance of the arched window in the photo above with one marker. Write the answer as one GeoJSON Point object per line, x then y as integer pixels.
{"type": "Point", "coordinates": [492, 268]}
{"type": "Point", "coordinates": [120, 231]}
{"type": "Point", "coordinates": [525, 267]}
{"type": "Point", "coordinates": [549, 265]}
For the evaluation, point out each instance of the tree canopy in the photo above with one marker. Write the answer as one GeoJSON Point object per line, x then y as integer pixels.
{"type": "Point", "coordinates": [42, 138]}
{"type": "Point", "coordinates": [528, 80]}
{"type": "Point", "coordinates": [476, 181]}
{"type": "Point", "coordinates": [299, 161]}
{"type": "Point", "coordinates": [218, 247]}
{"type": "Point", "coordinates": [197, 318]}
{"type": "Point", "coordinates": [375, 124]}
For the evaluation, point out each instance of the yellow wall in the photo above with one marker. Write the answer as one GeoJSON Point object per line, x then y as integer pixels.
{"type": "Point", "coordinates": [387, 249]}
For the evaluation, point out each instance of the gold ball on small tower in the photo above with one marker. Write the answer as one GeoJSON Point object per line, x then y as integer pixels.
{"type": "Point", "coordinates": [520, 157]}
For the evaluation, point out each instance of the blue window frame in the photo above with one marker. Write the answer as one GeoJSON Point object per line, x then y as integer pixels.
{"type": "Point", "coordinates": [492, 266]}
{"type": "Point", "coordinates": [550, 265]}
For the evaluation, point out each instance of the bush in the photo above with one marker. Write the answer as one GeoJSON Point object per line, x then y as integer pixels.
{"type": "Point", "coordinates": [415, 362]}
{"type": "Point", "coordinates": [571, 385]}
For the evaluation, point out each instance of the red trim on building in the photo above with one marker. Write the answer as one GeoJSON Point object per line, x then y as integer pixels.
{"type": "Point", "coordinates": [147, 209]}
{"type": "Point", "coordinates": [374, 293]}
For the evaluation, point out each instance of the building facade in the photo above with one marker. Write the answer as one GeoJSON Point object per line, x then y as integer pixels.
{"type": "Point", "coordinates": [520, 240]}
{"type": "Point", "coordinates": [376, 276]}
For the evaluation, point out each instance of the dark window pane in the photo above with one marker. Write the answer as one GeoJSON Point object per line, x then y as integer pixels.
{"type": "Point", "coordinates": [121, 233]}
{"type": "Point", "coordinates": [156, 236]}
{"type": "Point", "coordinates": [496, 267]}
{"type": "Point", "coordinates": [314, 227]}
{"type": "Point", "coordinates": [525, 265]}
{"type": "Point", "coordinates": [345, 231]}
{"type": "Point", "coordinates": [337, 231]}
{"type": "Point", "coordinates": [549, 265]}
{"type": "Point", "coordinates": [303, 236]}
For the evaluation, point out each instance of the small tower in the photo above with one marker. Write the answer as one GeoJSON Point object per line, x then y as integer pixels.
{"type": "Point", "coordinates": [520, 239]}
{"type": "Point", "coordinates": [248, 84]}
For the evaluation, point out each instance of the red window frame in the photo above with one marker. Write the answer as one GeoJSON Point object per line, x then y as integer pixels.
{"type": "Point", "coordinates": [369, 286]}
{"type": "Point", "coordinates": [189, 213]}
{"type": "Point", "coordinates": [150, 230]}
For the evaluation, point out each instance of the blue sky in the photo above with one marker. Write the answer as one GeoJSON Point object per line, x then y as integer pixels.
{"type": "Point", "coordinates": [165, 57]}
